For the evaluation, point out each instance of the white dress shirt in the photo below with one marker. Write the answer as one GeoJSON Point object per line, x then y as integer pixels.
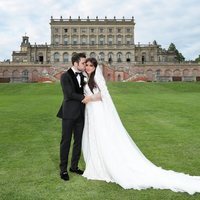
{"type": "Point", "coordinates": [77, 77]}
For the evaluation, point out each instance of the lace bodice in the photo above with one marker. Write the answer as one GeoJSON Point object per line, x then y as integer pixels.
{"type": "Point", "coordinates": [96, 95]}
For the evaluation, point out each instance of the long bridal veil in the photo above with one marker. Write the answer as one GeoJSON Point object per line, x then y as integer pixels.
{"type": "Point", "coordinates": [111, 154]}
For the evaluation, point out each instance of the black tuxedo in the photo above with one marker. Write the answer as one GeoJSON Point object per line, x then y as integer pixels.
{"type": "Point", "coordinates": [72, 114]}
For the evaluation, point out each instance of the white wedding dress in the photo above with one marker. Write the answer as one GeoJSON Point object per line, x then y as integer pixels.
{"type": "Point", "coordinates": [111, 155]}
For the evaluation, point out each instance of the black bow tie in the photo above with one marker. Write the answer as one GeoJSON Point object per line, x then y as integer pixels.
{"type": "Point", "coordinates": [78, 73]}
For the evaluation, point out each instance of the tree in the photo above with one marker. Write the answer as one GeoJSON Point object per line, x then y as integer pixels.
{"type": "Point", "coordinates": [197, 59]}
{"type": "Point", "coordinates": [179, 56]}
{"type": "Point", "coordinates": [172, 47]}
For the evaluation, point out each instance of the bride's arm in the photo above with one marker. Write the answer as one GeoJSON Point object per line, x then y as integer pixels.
{"type": "Point", "coordinates": [96, 97]}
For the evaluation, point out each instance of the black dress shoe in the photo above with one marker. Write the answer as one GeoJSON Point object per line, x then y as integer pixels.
{"type": "Point", "coordinates": [77, 171]}
{"type": "Point", "coordinates": [64, 176]}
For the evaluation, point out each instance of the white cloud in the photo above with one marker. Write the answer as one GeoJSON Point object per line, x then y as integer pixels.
{"type": "Point", "coordinates": [164, 21]}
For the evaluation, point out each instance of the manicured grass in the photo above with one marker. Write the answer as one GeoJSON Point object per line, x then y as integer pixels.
{"type": "Point", "coordinates": [162, 118]}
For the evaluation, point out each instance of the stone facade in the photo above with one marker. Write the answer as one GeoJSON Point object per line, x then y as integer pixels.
{"type": "Point", "coordinates": [110, 41]}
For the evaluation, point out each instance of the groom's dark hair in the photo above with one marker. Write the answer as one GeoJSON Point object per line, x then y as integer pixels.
{"type": "Point", "coordinates": [77, 56]}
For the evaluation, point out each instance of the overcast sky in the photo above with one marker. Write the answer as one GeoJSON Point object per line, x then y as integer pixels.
{"type": "Point", "coordinates": [166, 21]}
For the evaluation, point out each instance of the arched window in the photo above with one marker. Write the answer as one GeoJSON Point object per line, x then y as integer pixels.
{"type": "Point", "coordinates": [158, 72]}
{"type": "Point", "coordinates": [119, 57]}
{"type": "Point", "coordinates": [25, 73]}
{"type": "Point", "coordinates": [56, 57]}
{"type": "Point", "coordinates": [25, 76]}
{"type": "Point", "coordinates": [40, 57]}
{"type": "Point", "coordinates": [110, 57]}
{"type": "Point", "coordinates": [143, 58]}
{"type": "Point", "coordinates": [128, 57]}
{"type": "Point", "coordinates": [65, 57]}
{"type": "Point", "coordinates": [93, 55]}
{"type": "Point", "coordinates": [101, 56]}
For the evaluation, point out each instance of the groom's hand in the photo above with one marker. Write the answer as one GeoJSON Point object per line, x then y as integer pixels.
{"type": "Point", "coordinates": [86, 99]}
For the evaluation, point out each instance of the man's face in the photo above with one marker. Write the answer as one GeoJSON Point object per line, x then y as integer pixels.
{"type": "Point", "coordinates": [81, 64]}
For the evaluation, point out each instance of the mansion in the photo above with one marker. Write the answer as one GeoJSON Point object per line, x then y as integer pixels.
{"type": "Point", "coordinates": [110, 41]}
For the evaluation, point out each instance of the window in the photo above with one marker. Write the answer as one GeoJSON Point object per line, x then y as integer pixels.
{"type": "Point", "coordinates": [119, 57]}
{"type": "Point", "coordinates": [110, 30]}
{"type": "Point", "coordinates": [83, 41]}
{"type": "Point", "coordinates": [74, 41]}
{"type": "Point", "coordinates": [92, 41]}
{"type": "Point", "coordinates": [143, 57]}
{"type": "Point", "coordinates": [101, 30]}
{"type": "Point", "coordinates": [110, 57]}
{"type": "Point", "coordinates": [92, 30]}
{"type": "Point", "coordinates": [74, 30]}
{"type": "Point", "coordinates": [56, 57]}
{"type": "Point", "coordinates": [128, 41]}
{"type": "Point", "coordinates": [101, 42]}
{"type": "Point", "coordinates": [101, 56]}
{"type": "Point", "coordinates": [110, 40]}
{"type": "Point", "coordinates": [119, 40]}
{"type": "Point", "coordinates": [158, 72]}
{"type": "Point", "coordinates": [56, 41]}
{"type": "Point", "coordinates": [119, 30]}
{"type": "Point", "coordinates": [128, 57]}
{"type": "Point", "coordinates": [65, 30]}
{"type": "Point", "coordinates": [65, 57]}
{"type": "Point", "coordinates": [128, 30]}
{"type": "Point", "coordinates": [65, 41]}
{"type": "Point", "coordinates": [25, 73]}
{"type": "Point", "coordinates": [25, 76]}
{"type": "Point", "coordinates": [83, 30]}
{"type": "Point", "coordinates": [92, 55]}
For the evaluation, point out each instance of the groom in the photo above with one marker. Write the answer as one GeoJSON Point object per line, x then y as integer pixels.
{"type": "Point", "coordinates": [72, 115]}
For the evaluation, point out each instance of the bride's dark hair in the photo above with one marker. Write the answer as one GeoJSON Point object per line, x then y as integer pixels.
{"type": "Point", "coordinates": [91, 82]}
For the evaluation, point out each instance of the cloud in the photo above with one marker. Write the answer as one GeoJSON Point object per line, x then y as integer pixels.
{"type": "Point", "coordinates": [164, 21]}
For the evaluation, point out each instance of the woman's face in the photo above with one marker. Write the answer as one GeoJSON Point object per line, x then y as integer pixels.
{"type": "Point", "coordinates": [89, 68]}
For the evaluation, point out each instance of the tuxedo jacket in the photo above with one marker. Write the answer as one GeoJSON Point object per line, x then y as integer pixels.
{"type": "Point", "coordinates": [71, 107]}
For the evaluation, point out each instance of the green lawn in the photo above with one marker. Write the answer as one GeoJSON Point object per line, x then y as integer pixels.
{"type": "Point", "coordinates": [162, 118]}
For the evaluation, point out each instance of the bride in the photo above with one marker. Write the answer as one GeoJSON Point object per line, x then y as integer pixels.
{"type": "Point", "coordinates": [109, 152]}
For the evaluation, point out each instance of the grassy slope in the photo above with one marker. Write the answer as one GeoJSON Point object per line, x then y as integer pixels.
{"type": "Point", "coordinates": [163, 119]}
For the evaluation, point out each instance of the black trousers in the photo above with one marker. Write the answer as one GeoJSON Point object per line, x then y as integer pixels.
{"type": "Point", "coordinates": [71, 127]}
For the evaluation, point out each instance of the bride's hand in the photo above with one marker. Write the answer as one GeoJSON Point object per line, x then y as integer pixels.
{"type": "Point", "coordinates": [86, 100]}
